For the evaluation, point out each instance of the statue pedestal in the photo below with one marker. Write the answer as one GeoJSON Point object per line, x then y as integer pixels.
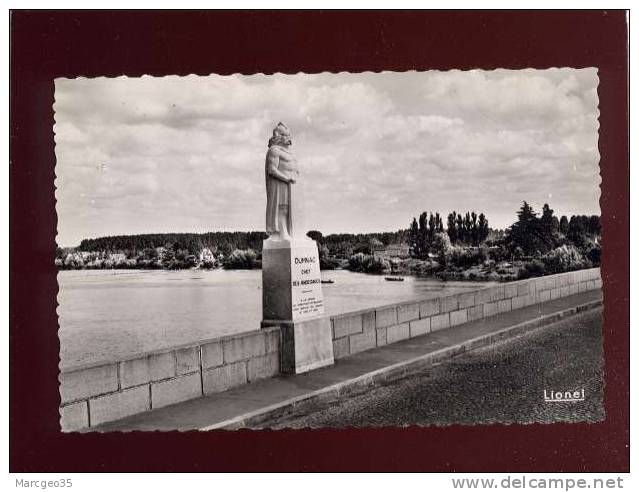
{"type": "Point", "coordinates": [292, 299]}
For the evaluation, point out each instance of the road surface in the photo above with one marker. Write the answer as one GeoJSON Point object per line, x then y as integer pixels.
{"type": "Point", "coordinates": [504, 382]}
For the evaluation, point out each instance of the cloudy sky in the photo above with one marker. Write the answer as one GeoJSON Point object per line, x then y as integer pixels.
{"type": "Point", "coordinates": [186, 154]}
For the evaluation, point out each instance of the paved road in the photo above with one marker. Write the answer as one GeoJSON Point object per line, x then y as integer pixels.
{"type": "Point", "coordinates": [501, 383]}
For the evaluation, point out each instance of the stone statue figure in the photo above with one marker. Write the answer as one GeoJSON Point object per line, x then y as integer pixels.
{"type": "Point", "coordinates": [281, 174]}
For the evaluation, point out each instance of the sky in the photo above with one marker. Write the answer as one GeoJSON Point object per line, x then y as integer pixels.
{"type": "Point", "coordinates": [186, 154]}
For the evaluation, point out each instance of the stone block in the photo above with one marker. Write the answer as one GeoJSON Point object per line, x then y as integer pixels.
{"type": "Point", "coordinates": [368, 321]}
{"type": "Point", "coordinates": [543, 296]}
{"type": "Point", "coordinates": [397, 333]}
{"type": "Point", "coordinates": [134, 372]}
{"type": "Point", "coordinates": [162, 366]}
{"type": "Point", "coordinates": [490, 294]}
{"type": "Point", "coordinates": [439, 322]}
{"type": "Point", "coordinates": [347, 325]}
{"type": "Point", "coordinates": [272, 340]}
{"type": "Point", "coordinates": [448, 303]}
{"type": "Point", "coordinates": [591, 274]}
{"type": "Point", "coordinates": [555, 293]}
{"type": "Point", "coordinates": [381, 336]}
{"type": "Point", "coordinates": [175, 390]}
{"type": "Point", "coordinates": [407, 312]}
{"type": "Point", "coordinates": [363, 341]}
{"type": "Point", "coordinates": [591, 285]}
{"type": "Point", "coordinates": [564, 291]}
{"type": "Point", "coordinates": [523, 288]}
{"type": "Point", "coordinates": [419, 327]}
{"type": "Point", "coordinates": [74, 416]}
{"type": "Point", "coordinates": [118, 405]}
{"type": "Point", "coordinates": [243, 347]}
{"type": "Point", "coordinates": [306, 345]}
{"type": "Point", "coordinates": [573, 289]}
{"type": "Point", "coordinates": [188, 360]}
{"type": "Point", "coordinates": [510, 290]}
{"type": "Point", "coordinates": [576, 277]}
{"type": "Point", "coordinates": [497, 293]}
{"type": "Point", "coordinates": [598, 283]}
{"type": "Point", "coordinates": [491, 309]}
{"type": "Point", "coordinates": [385, 317]}
{"type": "Point", "coordinates": [145, 369]}
{"type": "Point", "coordinates": [428, 307]}
{"type": "Point", "coordinates": [81, 384]}
{"type": "Point", "coordinates": [467, 299]}
{"type": "Point", "coordinates": [266, 366]}
{"type": "Point", "coordinates": [341, 348]}
{"type": "Point", "coordinates": [224, 377]}
{"type": "Point", "coordinates": [212, 355]}
{"type": "Point", "coordinates": [458, 317]}
{"type": "Point", "coordinates": [504, 306]}
{"type": "Point", "coordinates": [550, 282]}
{"type": "Point", "coordinates": [563, 280]}
{"type": "Point", "coordinates": [518, 302]}
{"type": "Point", "coordinates": [476, 312]}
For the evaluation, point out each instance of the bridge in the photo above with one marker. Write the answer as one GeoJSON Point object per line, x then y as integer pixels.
{"type": "Point", "coordinates": [235, 381]}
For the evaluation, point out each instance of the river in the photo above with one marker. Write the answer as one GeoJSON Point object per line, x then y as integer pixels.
{"type": "Point", "coordinates": [112, 314]}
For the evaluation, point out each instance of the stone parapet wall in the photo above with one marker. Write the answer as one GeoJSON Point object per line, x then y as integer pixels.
{"type": "Point", "coordinates": [93, 395]}
{"type": "Point", "coordinates": [367, 329]}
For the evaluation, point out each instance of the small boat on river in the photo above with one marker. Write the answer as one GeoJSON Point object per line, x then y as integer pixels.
{"type": "Point", "coordinates": [395, 279]}
{"type": "Point", "coordinates": [329, 281]}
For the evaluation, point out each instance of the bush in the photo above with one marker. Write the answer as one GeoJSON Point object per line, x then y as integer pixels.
{"type": "Point", "coordinates": [499, 253]}
{"type": "Point", "coordinates": [441, 245]}
{"type": "Point", "coordinates": [360, 262]}
{"type": "Point", "coordinates": [563, 259]}
{"type": "Point", "coordinates": [534, 268]}
{"type": "Point", "coordinates": [329, 263]}
{"type": "Point", "coordinates": [464, 258]}
{"type": "Point", "coordinates": [244, 259]}
{"type": "Point", "coordinates": [594, 255]}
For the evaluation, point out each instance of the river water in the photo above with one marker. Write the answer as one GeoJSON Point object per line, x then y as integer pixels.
{"type": "Point", "coordinates": [111, 314]}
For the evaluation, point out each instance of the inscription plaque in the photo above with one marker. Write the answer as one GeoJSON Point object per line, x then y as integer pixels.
{"type": "Point", "coordinates": [306, 284]}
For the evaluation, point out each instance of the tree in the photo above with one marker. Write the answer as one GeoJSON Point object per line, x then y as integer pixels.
{"type": "Point", "coordinates": [315, 236]}
{"type": "Point", "coordinates": [482, 227]}
{"type": "Point", "coordinates": [467, 228]}
{"type": "Point", "coordinates": [423, 234]}
{"type": "Point", "coordinates": [563, 225]}
{"type": "Point", "coordinates": [578, 229]}
{"type": "Point", "coordinates": [547, 227]}
{"type": "Point", "coordinates": [376, 244]}
{"type": "Point", "coordinates": [451, 227]}
{"type": "Point", "coordinates": [432, 225]}
{"type": "Point", "coordinates": [474, 232]}
{"type": "Point", "coordinates": [413, 236]}
{"type": "Point", "coordinates": [439, 225]}
{"type": "Point", "coordinates": [441, 245]}
{"type": "Point", "coordinates": [526, 232]}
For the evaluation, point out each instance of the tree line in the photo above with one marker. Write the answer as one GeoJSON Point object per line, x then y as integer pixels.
{"type": "Point", "coordinates": [192, 243]}
{"type": "Point", "coordinates": [531, 234]}
{"type": "Point", "coordinates": [470, 229]}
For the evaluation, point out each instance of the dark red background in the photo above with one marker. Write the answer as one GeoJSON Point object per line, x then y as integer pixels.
{"type": "Point", "coordinates": [49, 44]}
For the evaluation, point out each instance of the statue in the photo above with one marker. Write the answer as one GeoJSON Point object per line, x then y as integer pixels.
{"type": "Point", "coordinates": [281, 174]}
{"type": "Point", "coordinates": [292, 298]}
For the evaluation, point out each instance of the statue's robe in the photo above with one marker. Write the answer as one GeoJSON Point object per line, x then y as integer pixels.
{"type": "Point", "coordinates": [278, 194]}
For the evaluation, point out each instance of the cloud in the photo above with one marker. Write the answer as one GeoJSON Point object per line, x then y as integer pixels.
{"type": "Point", "coordinates": [187, 153]}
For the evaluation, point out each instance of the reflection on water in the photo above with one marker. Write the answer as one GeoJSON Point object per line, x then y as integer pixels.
{"type": "Point", "coordinates": [107, 314]}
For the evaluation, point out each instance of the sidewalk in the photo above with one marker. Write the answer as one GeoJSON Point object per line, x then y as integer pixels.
{"type": "Point", "coordinates": [253, 403]}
